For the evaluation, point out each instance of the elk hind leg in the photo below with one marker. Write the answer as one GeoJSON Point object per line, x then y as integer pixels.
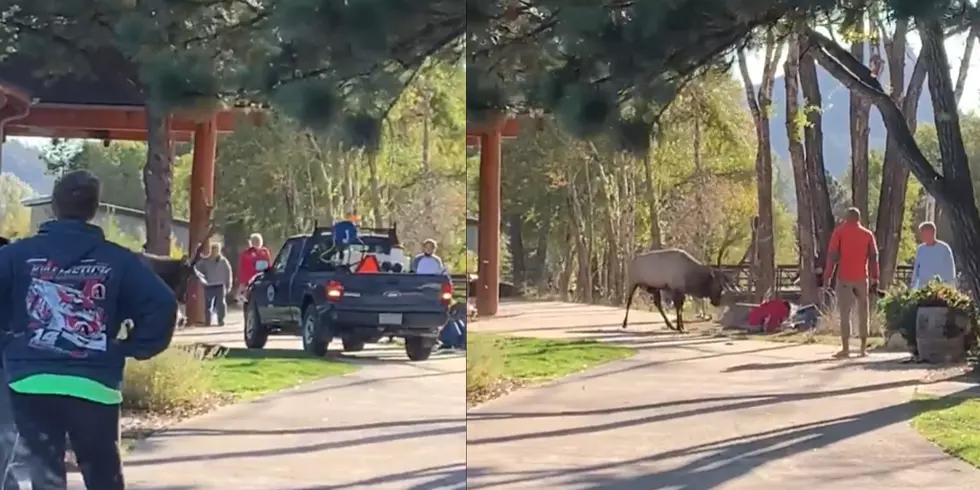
{"type": "Point", "coordinates": [658, 302]}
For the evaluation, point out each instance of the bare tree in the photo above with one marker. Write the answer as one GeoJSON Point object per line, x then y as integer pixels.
{"type": "Point", "coordinates": [804, 187]}
{"type": "Point", "coordinates": [759, 104]}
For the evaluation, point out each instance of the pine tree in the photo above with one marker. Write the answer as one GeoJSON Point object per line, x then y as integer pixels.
{"type": "Point", "coordinates": [329, 63]}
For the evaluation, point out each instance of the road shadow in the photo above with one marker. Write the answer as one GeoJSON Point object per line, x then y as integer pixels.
{"type": "Point", "coordinates": [967, 369]}
{"type": "Point", "coordinates": [726, 404]}
{"type": "Point", "coordinates": [719, 462]}
{"type": "Point", "coordinates": [448, 477]}
{"type": "Point", "coordinates": [142, 455]}
{"type": "Point", "coordinates": [629, 366]}
{"type": "Point", "coordinates": [186, 432]}
{"type": "Point", "coordinates": [766, 366]}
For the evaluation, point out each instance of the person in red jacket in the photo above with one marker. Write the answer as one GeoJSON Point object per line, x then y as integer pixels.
{"type": "Point", "coordinates": [853, 255]}
{"type": "Point", "coordinates": [249, 259]}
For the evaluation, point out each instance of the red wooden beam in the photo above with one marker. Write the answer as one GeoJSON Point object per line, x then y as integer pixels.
{"type": "Point", "coordinates": [76, 117]}
{"type": "Point", "coordinates": [119, 135]}
{"type": "Point", "coordinates": [509, 130]}
{"type": "Point", "coordinates": [488, 249]}
{"type": "Point", "coordinates": [202, 201]}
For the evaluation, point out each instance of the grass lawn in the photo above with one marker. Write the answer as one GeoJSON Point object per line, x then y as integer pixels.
{"type": "Point", "coordinates": [496, 364]}
{"type": "Point", "coordinates": [244, 374]}
{"type": "Point", "coordinates": [952, 424]}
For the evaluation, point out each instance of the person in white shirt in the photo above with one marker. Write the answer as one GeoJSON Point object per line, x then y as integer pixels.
{"type": "Point", "coordinates": [933, 259]}
{"type": "Point", "coordinates": [428, 262]}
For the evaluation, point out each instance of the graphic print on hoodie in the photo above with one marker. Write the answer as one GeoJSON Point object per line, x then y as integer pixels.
{"type": "Point", "coordinates": [63, 308]}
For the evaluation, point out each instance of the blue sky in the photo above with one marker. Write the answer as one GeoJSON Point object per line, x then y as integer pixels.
{"type": "Point", "coordinates": [954, 47]}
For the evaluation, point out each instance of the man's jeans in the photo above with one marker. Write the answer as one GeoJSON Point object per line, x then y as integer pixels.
{"type": "Point", "coordinates": [45, 422]}
{"type": "Point", "coordinates": [215, 304]}
{"type": "Point", "coordinates": [8, 442]}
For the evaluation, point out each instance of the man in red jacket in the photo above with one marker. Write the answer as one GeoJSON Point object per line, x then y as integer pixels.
{"type": "Point", "coordinates": [853, 254]}
{"type": "Point", "coordinates": [249, 260]}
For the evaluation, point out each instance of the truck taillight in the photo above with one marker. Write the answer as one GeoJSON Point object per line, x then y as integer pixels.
{"type": "Point", "coordinates": [334, 290]}
{"type": "Point", "coordinates": [447, 293]}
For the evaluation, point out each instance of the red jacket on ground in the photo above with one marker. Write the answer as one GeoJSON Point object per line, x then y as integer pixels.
{"type": "Point", "coordinates": [247, 260]}
{"type": "Point", "coordinates": [776, 311]}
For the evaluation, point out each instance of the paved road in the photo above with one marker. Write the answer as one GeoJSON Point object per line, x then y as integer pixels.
{"type": "Point", "coordinates": [390, 425]}
{"type": "Point", "coordinates": [707, 413]}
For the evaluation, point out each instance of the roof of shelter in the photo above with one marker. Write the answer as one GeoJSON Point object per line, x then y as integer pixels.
{"type": "Point", "coordinates": [105, 83]}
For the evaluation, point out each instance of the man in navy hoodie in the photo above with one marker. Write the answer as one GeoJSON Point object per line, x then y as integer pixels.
{"type": "Point", "coordinates": [66, 292]}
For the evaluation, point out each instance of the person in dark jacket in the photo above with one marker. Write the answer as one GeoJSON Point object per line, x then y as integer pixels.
{"type": "Point", "coordinates": [8, 433]}
{"type": "Point", "coordinates": [67, 292]}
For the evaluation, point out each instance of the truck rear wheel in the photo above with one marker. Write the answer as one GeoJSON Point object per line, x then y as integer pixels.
{"type": "Point", "coordinates": [314, 342]}
{"type": "Point", "coordinates": [256, 334]}
{"type": "Point", "coordinates": [352, 344]}
{"type": "Point", "coordinates": [419, 348]}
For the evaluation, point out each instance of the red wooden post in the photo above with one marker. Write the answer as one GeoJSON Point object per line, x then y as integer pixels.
{"type": "Point", "coordinates": [202, 198]}
{"type": "Point", "coordinates": [488, 293]}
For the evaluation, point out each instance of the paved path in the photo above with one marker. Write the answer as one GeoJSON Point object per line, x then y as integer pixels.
{"type": "Point", "coordinates": [390, 425]}
{"type": "Point", "coordinates": [707, 413]}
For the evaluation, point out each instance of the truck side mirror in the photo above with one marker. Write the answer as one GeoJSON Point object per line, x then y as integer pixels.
{"type": "Point", "coordinates": [261, 266]}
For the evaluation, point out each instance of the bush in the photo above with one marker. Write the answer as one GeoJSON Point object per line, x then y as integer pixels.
{"type": "Point", "coordinates": [176, 382]}
{"type": "Point", "coordinates": [484, 366]}
{"type": "Point", "coordinates": [901, 305]}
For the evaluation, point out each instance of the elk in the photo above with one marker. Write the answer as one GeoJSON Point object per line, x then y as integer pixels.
{"type": "Point", "coordinates": [177, 273]}
{"type": "Point", "coordinates": [676, 273]}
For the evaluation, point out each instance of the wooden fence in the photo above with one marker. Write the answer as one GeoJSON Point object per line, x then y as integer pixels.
{"type": "Point", "coordinates": [788, 277]}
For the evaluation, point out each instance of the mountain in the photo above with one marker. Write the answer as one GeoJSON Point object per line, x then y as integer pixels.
{"type": "Point", "coordinates": [25, 162]}
{"type": "Point", "coordinates": [836, 120]}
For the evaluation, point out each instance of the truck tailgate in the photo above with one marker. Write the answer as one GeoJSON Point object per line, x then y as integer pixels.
{"type": "Point", "coordinates": [394, 293]}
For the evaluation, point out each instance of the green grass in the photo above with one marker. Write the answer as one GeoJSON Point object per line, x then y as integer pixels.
{"type": "Point", "coordinates": [497, 364]}
{"type": "Point", "coordinates": [952, 424]}
{"type": "Point", "coordinates": [244, 374]}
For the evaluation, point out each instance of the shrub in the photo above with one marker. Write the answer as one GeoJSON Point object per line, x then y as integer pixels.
{"type": "Point", "coordinates": [901, 304]}
{"type": "Point", "coordinates": [176, 382]}
{"type": "Point", "coordinates": [484, 366]}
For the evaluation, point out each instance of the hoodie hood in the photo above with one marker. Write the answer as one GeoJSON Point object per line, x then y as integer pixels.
{"type": "Point", "coordinates": [70, 240]}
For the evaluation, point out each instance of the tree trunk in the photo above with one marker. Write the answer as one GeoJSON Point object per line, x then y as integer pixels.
{"type": "Point", "coordinates": [860, 110]}
{"type": "Point", "coordinates": [935, 212]}
{"type": "Point", "coordinates": [656, 234]}
{"type": "Point", "coordinates": [894, 172]}
{"type": "Point", "coordinates": [763, 246]}
{"type": "Point", "coordinates": [518, 257]}
{"type": "Point", "coordinates": [158, 181]}
{"type": "Point", "coordinates": [801, 175]}
{"type": "Point", "coordinates": [699, 191]}
{"type": "Point", "coordinates": [427, 164]}
{"type": "Point", "coordinates": [540, 268]}
{"type": "Point", "coordinates": [823, 214]}
{"type": "Point", "coordinates": [960, 204]}
{"type": "Point", "coordinates": [372, 158]}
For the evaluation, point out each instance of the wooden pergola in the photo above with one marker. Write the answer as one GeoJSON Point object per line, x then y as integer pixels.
{"type": "Point", "coordinates": [488, 138]}
{"type": "Point", "coordinates": [108, 106]}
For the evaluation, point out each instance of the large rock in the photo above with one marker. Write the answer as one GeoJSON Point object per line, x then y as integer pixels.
{"type": "Point", "coordinates": [736, 317]}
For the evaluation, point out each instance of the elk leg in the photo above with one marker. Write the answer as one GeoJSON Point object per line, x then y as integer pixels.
{"type": "Point", "coordinates": [678, 299]}
{"type": "Point", "coordinates": [629, 301]}
{"type": "Point", "coordinates": [659, 304]}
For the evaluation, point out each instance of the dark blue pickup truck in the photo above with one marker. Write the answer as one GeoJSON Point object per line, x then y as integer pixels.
{"type": "Point", "coordinates": [311, 290]}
